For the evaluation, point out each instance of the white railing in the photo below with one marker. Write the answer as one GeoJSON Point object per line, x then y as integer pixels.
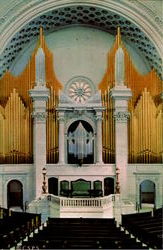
{"type": "Point", "coordinates": [99, 202]}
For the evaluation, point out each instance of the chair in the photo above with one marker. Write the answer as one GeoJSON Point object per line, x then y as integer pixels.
{"type": "Point", "coordinates": [97, 192]}
{"type": "Point", "coordinates": [64, 188]}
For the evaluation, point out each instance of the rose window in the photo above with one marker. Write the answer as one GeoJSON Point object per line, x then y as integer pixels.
{"type": "Point", "coordinates": [80, 91]}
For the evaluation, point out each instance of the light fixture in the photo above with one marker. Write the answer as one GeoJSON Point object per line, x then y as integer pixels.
{"type": "Point", "coordinates": [44, 187]}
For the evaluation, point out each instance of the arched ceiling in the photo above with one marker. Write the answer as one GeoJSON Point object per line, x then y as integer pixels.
{"type": "Point", "coordinates": [81, 15]}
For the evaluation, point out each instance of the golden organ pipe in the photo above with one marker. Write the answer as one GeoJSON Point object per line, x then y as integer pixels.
{"type": "Point", "coordinates": [143, 105]}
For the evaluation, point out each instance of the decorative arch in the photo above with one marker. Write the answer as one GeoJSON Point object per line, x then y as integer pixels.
{"type": "Point", "coordinates": [15, 194]}
{"type": "Point", "coordinates": [147, 192]}
{"type": "Point", "coordinates": [82, 117]}
{"type": "Point", "coordinates": [53, 185]}
{"type": "Point", "coordinates": [80, 143]}
{"type": "Point", "coordinates": [153, 177]}
{"type": "Point", "coordinates": [28, 12]}
{"type": "Point", "coordinates": [108, 186]}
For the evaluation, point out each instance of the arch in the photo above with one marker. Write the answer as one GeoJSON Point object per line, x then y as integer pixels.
{"type": "Point", "coordinates": [53, 185]}
{"type": "Point", "coordinates": [28, 12]}
{"type": "Point", "coordinates": [147, 192]}
{"type": "Point", "coordinates": [86, 125]}
{"type": "Point", "coordinates": [14, 194]}
{"type": "Point", "coordinates": [108, 186]}
{"type": "Point", "coordinates": [132, 14]}
{"type": "Point", "coordinates": [80, 143]}
{"type": "Point", "coordinates": [82, 117]}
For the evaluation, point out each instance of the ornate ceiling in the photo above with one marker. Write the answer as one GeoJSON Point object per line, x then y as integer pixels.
{"type": "Point", "coordinates": [81, 14]}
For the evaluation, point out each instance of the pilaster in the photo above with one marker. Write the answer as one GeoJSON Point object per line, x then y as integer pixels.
{"type": "Point", "coordinates": [39, 95]}
{"type": "Point", "coordinates": [121, 95]}
{"type": "Point", "coordinates": [61, 137]}
{"type": "Point", "coordinates": [99, 137]}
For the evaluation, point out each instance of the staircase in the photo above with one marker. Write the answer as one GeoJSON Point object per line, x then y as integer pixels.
{"type": "Point", "coordinates": [61, 207]}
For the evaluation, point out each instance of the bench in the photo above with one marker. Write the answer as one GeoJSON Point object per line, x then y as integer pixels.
{"type": "Point", "coordinates": [80, 188]}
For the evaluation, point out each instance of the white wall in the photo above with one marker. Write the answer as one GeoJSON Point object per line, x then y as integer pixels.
{"type": "Point", "coordinates": [136, 173]}
{"type": "Point", "coordinates": [20, 172]}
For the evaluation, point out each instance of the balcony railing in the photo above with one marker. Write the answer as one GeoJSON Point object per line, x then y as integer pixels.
{"type": "Point", "coordinates": [99, 202]}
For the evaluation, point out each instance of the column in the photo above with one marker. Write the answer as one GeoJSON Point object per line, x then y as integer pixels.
{"type": "Point", "coordinates": [39, 97]}
{"type": "Point", "coordinates": [61, 138]}
{"type": "Point", "coordinates": [121, 95]}
{"type": "Point", "coordinates": [99, 138]}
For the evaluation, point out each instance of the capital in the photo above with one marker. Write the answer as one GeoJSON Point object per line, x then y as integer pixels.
{"type": "Point", "coordinates": [61, 117]}
{"type": "Point", "coordinates": [121, 116]}
{"type": "Point", "coordinates": [39, 116]}
{"type": "Point", "coordinates": [98, 115]}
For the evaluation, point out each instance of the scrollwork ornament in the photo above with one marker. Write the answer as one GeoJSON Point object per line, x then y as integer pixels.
{"type": "Point", "coordinates": [122, 116]}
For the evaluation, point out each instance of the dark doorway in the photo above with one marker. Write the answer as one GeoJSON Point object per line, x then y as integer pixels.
{"type": "Point", "coordinates": [15, 194]}
{"type": "Point", "coordinates": [53, 185]}
{"type": "Point", "coordinates": [147, 192]}
{"type": "Point", "coordinates": [108, 186]}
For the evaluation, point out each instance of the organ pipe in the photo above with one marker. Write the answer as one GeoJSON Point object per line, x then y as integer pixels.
{"type": "Point", "coordinates": [119, 67]}
{"type": "Point", "coordinates": [40, 67]}
{"type": "Point", "coordinates": [16, 126]}
{"type": "Point", "coordinates": [146, 108]}
{"type": "Point", "coordinates": [146, 122]}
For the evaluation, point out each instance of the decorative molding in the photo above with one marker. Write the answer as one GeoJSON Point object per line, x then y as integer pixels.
{"type": "Point", "coordinates": [39, 93]}
{"type": "Point", "coordinates": [120, 93]}
{"type": "Point", "coordinates": [95, 99]}
{"type": "Point", "coordinates": [79, 90]}
{"type": "Point", "coordinates": [64, 100]}
{"type": "Point", "coordinates": [121, 116]}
